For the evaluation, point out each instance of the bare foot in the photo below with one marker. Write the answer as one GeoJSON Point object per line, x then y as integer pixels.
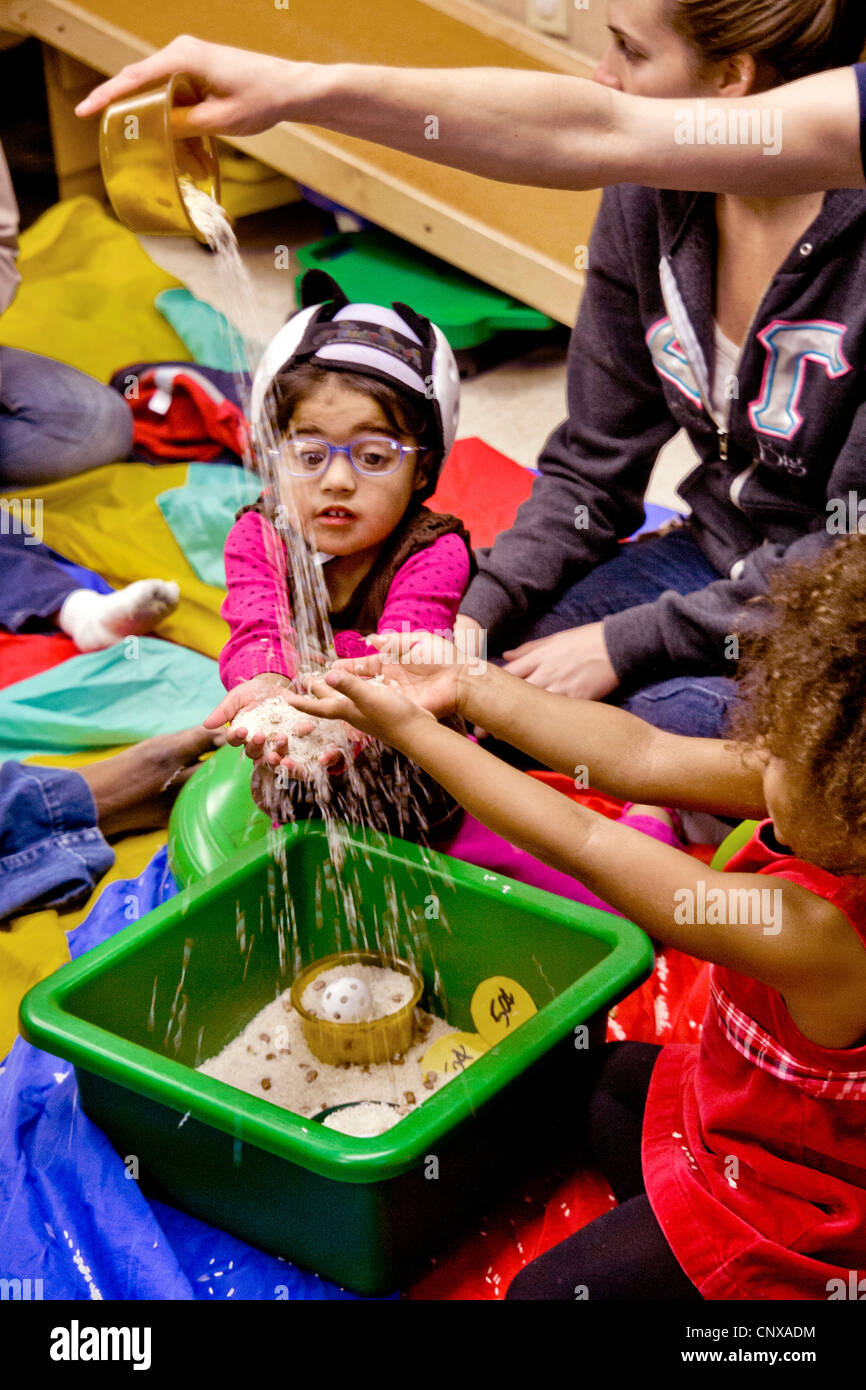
{"type": "Point", "coordinates": [136, 789]}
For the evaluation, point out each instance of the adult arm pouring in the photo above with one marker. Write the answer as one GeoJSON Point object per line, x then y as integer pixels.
{"type": "Point", "coordinates": [536, 128]}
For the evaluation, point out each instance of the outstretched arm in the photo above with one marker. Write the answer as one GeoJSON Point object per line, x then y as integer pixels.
{"type": "Point", "coordinates": [620, 753]}
{"type": "Point", "coordinates": [537, 128]}
{"type": "Point", "coordinates": [794, 942]}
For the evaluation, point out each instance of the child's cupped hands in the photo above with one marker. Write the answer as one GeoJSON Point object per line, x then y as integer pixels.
{"type": "Point", "coordinates": [245, 696]}
{"type": "Point", "coordinates": [272, 749]}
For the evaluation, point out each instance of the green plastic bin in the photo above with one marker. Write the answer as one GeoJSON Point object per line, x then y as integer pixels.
{"type": "Point", "coordinates": [374, 267]}
{"type": "Point", "coordinates": [366, 1213]}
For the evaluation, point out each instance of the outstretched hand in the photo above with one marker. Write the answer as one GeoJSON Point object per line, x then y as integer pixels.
{"type": "Point", "coordinates": [435, 687]}
{"type": "Point", "coordinates": [242, 93]}
{"type": "Point", "coordinates": [271, 748]}
{"type": "Point", "coordinates": [385, 712]}
{"type": "Point", "coordinates": [246, 696]}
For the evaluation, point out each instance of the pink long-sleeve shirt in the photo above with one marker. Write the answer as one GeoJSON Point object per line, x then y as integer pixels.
{"type": "Point", "coordinates": [424, 593]}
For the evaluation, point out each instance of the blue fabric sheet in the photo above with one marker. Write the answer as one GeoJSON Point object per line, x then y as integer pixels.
{"type": "Point", "coordinates": [71, 1217]}
{"type": "Point", "coordinates": [84, 578]}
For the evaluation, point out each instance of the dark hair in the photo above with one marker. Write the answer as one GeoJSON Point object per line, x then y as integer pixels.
{"type": "Point", "coordinates": [791, 38]}
{"type": "Point", "coordinates": [404, 414]}
{"type": "Point", "coordinates": [802, 680]}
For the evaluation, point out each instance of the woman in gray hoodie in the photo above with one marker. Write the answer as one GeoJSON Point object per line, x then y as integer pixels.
{"type": "Point", "coordinates": [740, 320]}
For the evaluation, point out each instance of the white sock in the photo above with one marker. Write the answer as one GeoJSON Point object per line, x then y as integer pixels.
{"type": "Point", "coordinates": [94, 621]}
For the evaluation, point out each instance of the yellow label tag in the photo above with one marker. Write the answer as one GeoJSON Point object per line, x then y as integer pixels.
{"type": "Point", "coordinates": [500, 1005]}
{"type": "Point", "coordinates": [453, 1053]}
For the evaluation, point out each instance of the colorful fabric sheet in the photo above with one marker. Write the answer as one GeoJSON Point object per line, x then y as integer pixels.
{"type": "Point", "coordinates": [201, 513]}
{"type": "Point", "coordinates": [209, 337]}
{"type": "Point", "coordinates": [35, 944]}
{"type": "Point", "coordinates": [87, 291]}
{"type": "Point", "coordinates": [483, 488]}
{"type": "Point", "coordinates": [108, 520]}
{"type": "Point", "coordinates": [26, 654]}
{"type": "Point", "coordinates": [139, 687]}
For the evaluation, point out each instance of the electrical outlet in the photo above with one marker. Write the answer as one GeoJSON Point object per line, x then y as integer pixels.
{"type": "Point", "coordinates": [550, 16]}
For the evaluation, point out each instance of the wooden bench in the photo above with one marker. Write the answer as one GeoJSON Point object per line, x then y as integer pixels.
{"type": "Point", "coordinates": [529, 242]}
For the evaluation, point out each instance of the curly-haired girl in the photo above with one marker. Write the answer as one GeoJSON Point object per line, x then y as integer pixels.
{"type": "Point", "coordinates": [739, 1165]}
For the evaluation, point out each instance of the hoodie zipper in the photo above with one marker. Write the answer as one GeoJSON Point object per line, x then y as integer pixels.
{"type": "Point", "coordinates": [738, 483]}
{"type": "Point", "coordinates": [722, 432]}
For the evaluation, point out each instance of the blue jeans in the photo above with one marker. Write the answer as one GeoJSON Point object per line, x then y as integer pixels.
{"type": "Point", "coordinates": [52, 853]}
{"type": "Point", "coordinates": [32, 585]}
{"type": "Point", "coordinates": [56, 421]}
{"type": "Point", "coordinates": [639, 573]}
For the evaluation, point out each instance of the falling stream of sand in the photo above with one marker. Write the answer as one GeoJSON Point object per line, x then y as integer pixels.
{"type": "Point", "coordinates": [307, 641]}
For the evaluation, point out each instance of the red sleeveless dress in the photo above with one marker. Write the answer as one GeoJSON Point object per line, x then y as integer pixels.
{"type": "Point", "coordinates": [754, 1142]}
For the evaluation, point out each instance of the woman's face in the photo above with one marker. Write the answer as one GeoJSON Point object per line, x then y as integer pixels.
{"type": "Point", "coordinates": [343, 512]}
{"type": "Point", "coordinates": [645, 57]}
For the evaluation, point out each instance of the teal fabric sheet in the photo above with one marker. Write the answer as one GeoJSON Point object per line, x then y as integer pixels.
{"type": "Point", "coordinates": [139, 687]}
{"type": "Point", "coordinates": [201, 513]}
{"type": "Point", "coordinates": [206, 333]}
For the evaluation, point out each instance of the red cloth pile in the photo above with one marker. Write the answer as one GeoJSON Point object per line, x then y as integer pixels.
{"type": "Point", "coordinates": [179, 413]}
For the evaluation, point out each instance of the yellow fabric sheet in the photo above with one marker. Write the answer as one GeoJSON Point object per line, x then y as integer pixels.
{"type": "Point", "coordinates": [86, 299]}
{"type": "Point", "coordinates": [108, 520]}
{"type": "Point", "coordinates": [87, 292]}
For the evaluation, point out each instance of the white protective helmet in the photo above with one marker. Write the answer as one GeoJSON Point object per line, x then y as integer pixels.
{"type": "Point", "coordinates": [393, 345]}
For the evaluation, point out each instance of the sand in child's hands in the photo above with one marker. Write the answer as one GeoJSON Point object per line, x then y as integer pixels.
{"type": "Point", "coordinates": [274, 717]}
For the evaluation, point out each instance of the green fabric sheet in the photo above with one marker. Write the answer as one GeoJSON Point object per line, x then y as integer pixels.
{"type": "Point", "coordinates": [204, 331]}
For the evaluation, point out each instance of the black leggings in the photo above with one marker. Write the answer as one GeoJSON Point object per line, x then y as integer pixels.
{"type": "Point", "coordinates": [622, 1254]}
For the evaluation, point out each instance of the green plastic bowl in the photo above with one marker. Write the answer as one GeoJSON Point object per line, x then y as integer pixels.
{"type": "Point", "coordinates": [214, 817]}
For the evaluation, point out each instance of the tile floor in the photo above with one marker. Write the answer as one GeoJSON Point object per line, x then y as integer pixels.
{"type": "Point", "coordinates": [512, 407]}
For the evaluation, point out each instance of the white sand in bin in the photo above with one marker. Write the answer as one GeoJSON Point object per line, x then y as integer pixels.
{"type": "Point", "coordinates": [270, 1059]}
{"type": "Point", "coordinates": [364, 1121]}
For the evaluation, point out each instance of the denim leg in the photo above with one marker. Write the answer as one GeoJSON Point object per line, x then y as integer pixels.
{"type": "Point", "coordinates": [696, 706]}
{"type": "Point", "coordinates": [52, 852]}
{"type": "Point", "coordinates": [32, 585]}
{"type": "Point", "coordinates": [56, 421]}
{"type": "Point", "coordinates": [640, 572]}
